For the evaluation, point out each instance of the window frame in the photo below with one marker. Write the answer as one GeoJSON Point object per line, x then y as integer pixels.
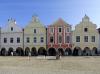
{"type": "Point", "coordinates": [77, 38]}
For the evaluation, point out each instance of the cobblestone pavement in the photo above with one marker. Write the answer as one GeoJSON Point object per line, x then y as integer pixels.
{"type": "Point", "coordinates": [41, 65]}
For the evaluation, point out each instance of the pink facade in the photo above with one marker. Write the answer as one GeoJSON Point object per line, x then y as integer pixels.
{"type": "Point", "coordinates": [59, 35]}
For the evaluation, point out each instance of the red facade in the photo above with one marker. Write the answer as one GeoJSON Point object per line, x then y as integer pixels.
{"type": "Point", "coordinates": [59, 35]}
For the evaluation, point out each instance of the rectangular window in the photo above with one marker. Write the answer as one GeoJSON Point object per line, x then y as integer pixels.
{"type": "Point", "coordinates": [60, 29]}
{"type": "Point", "coordinates": [35, 40]}
{"type": "Point", "coordinates": [60, 39]}
{"type": "Point", "coordinates": [18, 39]}
{"type": "Point", "coordinates": [93, 39]}
{"type": "Point", "coordinates": [77, 38]}
{"type": "Point", "coordinates": [11, 28]}
{"type": "Point", "coordinates": [67, 39]}
{"type": "Point", "coordinates": [68, 30]}
{"type": "Point", "coordinates": [34, 30]}
{"type": "Point", "coordinates": [28, 40]}
{"type": "Point", "coordinates": [11, 40]}
{"type": "Point", "coordinates": [85, 38]}
{"type": "Point", "coordinates": [51, 30]}
{"type": "Point", "coordinates": [85, 29]}
{"type": "Point", "coordinates": [51, 39]}
{"type": "Point", "coordinates": [42, 39]}
{"type": "Point", "coordinates": [5, 40]}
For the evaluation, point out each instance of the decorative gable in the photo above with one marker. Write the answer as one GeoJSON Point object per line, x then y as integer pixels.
{"type": "Point", "coordinates": [11, 26]}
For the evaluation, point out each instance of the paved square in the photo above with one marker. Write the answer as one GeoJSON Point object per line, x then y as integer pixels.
{"type": "Point", "coordinates": [34, 65]}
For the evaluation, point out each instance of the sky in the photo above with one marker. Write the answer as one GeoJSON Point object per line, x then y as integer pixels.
{"type": "Point", "coordinates": [48, 11]}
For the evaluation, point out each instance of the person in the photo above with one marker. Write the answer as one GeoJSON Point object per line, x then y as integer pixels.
{"type": "Point", "coordinates": [57, 56]}
{"type": "Point", "coordinates": [29, 55]}
{"type": "Point", "coordinates": [11, 53]}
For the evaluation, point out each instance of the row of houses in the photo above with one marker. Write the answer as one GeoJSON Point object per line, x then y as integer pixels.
{"type": "Point", "coordinates": [36, 39]}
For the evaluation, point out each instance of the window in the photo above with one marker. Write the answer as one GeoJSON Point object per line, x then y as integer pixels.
{"type": "Point", "coordinates": [51, 30]}
{"type": "Point", "coordinates": [85, 29]}
{"type": "Point", "coordinates": [77, 38]}
{"type": "Point", "coordinates": [93, 39]}
{"type": "Point", "coordinates": [11, 28]}
{"type": "Point", "coordinates": [42, 39]}
{"type": "Point", "coordinates": [67, 39]}
{"type": "Point", "coordinates": [11, 40]}
{"type": "Point", "coordinates": [34, 30]}
{"type": "Point", "coordinates": [85, 38]}
{"type": "Point", "coordinates": [27, 39]}
{"type": "Point", "coordinates": [51, 39]}
{"type": "Point", "coordinates": [68, 30]}
{"type": "Point", "coordinates": [60, 39]}
{"type": "Point", "coordinates": [5, 40]}
{"type": "Point", "coordinates": [60, 29]}
{"type": "Point", "coordinates": [35, 39]}
{"type": "Point", "coordinates": [18, 39]}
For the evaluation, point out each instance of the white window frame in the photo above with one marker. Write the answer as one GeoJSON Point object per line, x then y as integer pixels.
{"type": "Point", "coordinates": [67, 29]}
{"type": "Point", "coordinates": [61, 29]}
{"type": "Point", "coordinates": [52, 29]}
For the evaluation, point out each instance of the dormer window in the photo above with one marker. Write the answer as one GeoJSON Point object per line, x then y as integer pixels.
{"type": "Point", "coordinates": [60, 29]}
{"type": "Point", "coordinates": [11, 28]}
{"type": "Point", "coordinates": [85, 29]}
{"type": "Point", "coordinates": [34, 30]}
{"type": "Point", "coordinates": [68, 30]}
{"type": "Point", "coordinates": [51, 30]}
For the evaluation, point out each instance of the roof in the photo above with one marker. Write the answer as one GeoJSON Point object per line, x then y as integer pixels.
{"type": "Point", "coordinates": [60, 22]}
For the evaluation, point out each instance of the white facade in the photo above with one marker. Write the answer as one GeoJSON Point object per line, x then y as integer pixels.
{"type": "Point", "coordinates": [11, 30]}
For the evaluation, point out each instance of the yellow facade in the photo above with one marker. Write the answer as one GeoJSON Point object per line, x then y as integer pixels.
{"type": "Point", "coordinates": [40, 32]}
{"type": "Point", "coordinates": [79, 31]}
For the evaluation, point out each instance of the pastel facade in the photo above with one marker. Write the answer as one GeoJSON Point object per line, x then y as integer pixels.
{"type": "Point", "coordinates": [11, 37]}
{"type": "Point", "coordinates": [59, 38]}
{"type": "Point", "coordinates": [85, 38]}
{"type": "Point", "coordinates": [35, 37]}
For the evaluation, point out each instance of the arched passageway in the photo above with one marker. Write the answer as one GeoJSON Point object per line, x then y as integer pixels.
{"type": "Point", "coordinates": [33, 52]}
{"type": "Point", "coordinates": [19, 51]}
{"type": "Point", "coordinates": [10, 51]}
{"type": "Point", "coordinates": [42, 51]}
{"type": "Point", "coordinates": [61, 51]}
{"type": "Point", "coordinates": [94, 51]}
{"type": "Point", "coordinates": [27, 51]}
{"type": "Point", "coordinates": [86, 51]}
{"type": "Point", "coordinates": [77, 51]}
{"type": "Point", "coordinates": [68, 52]}
{"type": "Point", "coordinates": [3, 52]}
{"type": "Point", "coordinates": [52, 52]}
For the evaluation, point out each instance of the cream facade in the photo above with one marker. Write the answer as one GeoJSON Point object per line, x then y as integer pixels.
{"type": "Point", "coordinates": [85, 37]}
{"type": "Point", "coordinates": [35, 36]}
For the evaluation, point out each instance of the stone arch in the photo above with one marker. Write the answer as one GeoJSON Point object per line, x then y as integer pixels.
{"type": "Point", "coordinates": [3, 52]}
{"type": "Point", "coordinates": [77, 51]}
{"type": "Point", "coordinates": [33, 51]}
{"type": "Point", "coordinates": [86, 51]}
{"type": "Point", "coordinates": [61, 51]}
{"type": "Point", "coordinates": [27, 51]}
{"type": "Point", "coordinates": [19, 51]}
{"type": "Point", "coordinates": [68, 52]}
{"type": "Point", "coordinates": [94, 51]}
{"type": "Point", "coordinates": [52, 52]}
{"type": "Point", "coordinates": [42, 51]}
{"type": "Point", "coordinates": [10, 50]}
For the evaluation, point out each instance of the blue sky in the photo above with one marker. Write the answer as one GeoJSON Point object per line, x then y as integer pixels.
{"type": "Point", "coordinates": [49, 11]}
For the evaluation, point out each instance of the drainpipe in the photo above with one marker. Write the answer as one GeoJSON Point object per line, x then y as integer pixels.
{"type": "Point", "coordinates": [46, 41]}
{"type": "Point", "coordinates": [0, 38]}
{"type": "Point", "coordinates": [23, 38]}
{"type": "Point", "coordinates": [99, 42]}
